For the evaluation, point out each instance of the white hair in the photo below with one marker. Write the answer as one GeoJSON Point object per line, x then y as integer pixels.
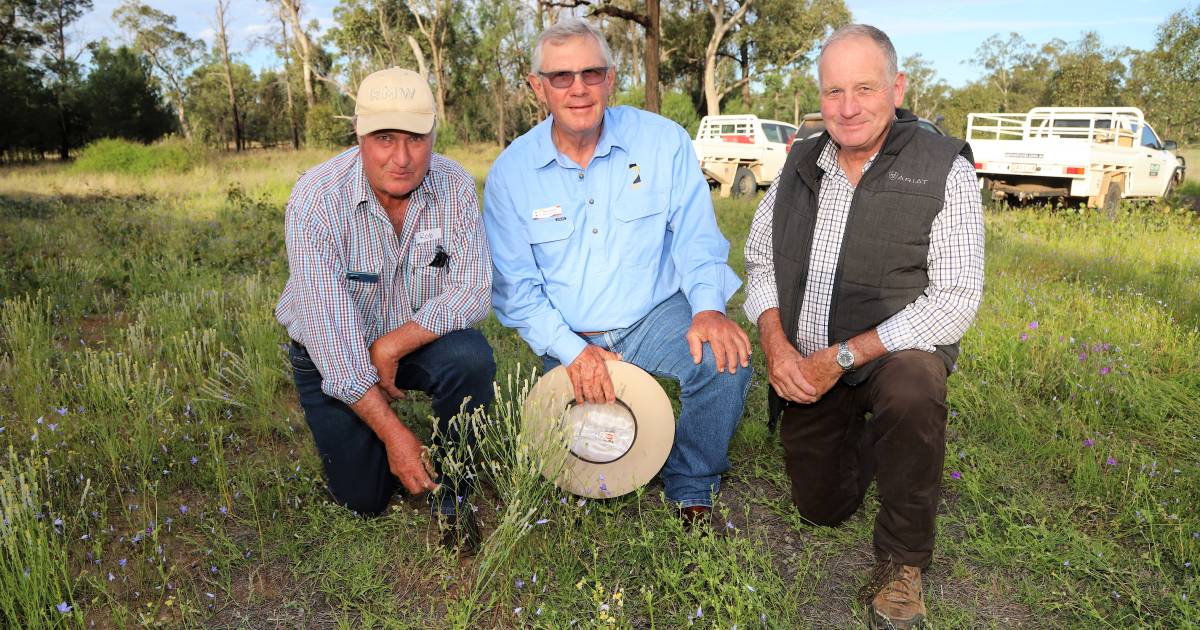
{"type": "Point", "coordinates": [851, 31]}
{"type": "Point", "coordinates": [565, 29]}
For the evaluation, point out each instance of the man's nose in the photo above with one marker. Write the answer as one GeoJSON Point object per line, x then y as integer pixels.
{"type": "Point", "coordinates": [849, 107]}
{"type": "Point", "coordinates": [401, 155]}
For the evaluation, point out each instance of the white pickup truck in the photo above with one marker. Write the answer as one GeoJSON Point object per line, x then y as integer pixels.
{"type": "Point", "coordinates": [1099, 154]}
{"type": "Point", "coordinates": [741, 152]}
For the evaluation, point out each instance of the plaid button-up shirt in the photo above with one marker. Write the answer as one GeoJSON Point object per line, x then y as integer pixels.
{"type": "Point", "coordinates": [353, 279]}
{"type": "Point", "coordinates": [955, 263]}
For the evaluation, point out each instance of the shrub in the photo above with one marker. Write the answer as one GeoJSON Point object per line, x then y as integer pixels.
{"type": "Point", "coordinates": [324, 130]}
{"type": "Point", "coordinates": [112, 155]}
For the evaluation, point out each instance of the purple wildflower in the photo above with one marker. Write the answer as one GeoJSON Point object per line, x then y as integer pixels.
{"type": "Point", "coordinates": [1105, 370]}
{"type": "Point", "coordinates": [542, 521]}
{"type": "Point", "coordinates": [1024, 337]}
{"type": "Point", "coordinates": [183, 509]}
{"type": "Point", "coordinates": [1033, 325]}
{"type": "Point", "coordinates": [1088, 442]}
{"type": "Point", "coordinates": [1111, 461]}
{"type": "Point", "coordinates": [63, 607]}
{"type": "Point", "coordinates": [1082, 357]}
{"type": "Point", "coordinates": [956, 475]}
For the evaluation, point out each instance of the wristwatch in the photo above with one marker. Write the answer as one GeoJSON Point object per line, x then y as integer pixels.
{"type": "Point", "coordinates": [845, 358]}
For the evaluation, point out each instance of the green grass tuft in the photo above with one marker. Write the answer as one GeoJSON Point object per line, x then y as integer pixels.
{"type": "Point", "coordinates": [112, 155]}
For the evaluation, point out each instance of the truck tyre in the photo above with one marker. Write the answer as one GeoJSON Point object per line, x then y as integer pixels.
{"type": "Point", "coordinates": [1112, 200]}
{"type": "Point", "coordinates": [743, 183]}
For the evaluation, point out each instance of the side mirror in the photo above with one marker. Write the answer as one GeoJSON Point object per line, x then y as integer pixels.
{"type": "Point", "coordinates": [1171, 145]}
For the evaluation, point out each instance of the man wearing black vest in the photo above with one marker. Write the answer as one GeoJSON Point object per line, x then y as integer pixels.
{"type": "Point", "coordinates": [865, 268]}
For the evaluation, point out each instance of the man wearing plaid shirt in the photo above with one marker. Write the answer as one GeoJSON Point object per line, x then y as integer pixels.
{"type": "Point", "coordinates": [389, 269]}
{"type": "Point", "coordinates": [865, 268]}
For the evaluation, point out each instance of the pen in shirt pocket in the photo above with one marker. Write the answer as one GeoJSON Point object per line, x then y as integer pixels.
{"type": "Point", "coordinates": [440, 258]}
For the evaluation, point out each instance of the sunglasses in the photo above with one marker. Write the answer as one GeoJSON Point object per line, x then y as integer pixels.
{"type": "Point", "coordinates": [566, 78]}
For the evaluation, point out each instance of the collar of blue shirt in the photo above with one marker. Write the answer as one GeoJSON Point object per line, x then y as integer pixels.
{"type": "Point", "coordinates": [546, 152]}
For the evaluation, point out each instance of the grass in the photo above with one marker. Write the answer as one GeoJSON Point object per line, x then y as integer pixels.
{"type": "Point", "coordinates": [159, 471]}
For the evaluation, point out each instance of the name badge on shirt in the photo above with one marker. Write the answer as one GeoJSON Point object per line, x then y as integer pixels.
{"type": "Point", "coordinates": [426, 236]}
{"type": "Point", "coordinates": [362, 276]}
{"type": "Point", "coordinates": [546, 213]}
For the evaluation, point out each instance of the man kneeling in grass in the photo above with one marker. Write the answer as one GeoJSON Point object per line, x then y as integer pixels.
{"type": "Point", "coordinates": [865, 267]}
{"type": "Point", "coordinates": [389, 269]}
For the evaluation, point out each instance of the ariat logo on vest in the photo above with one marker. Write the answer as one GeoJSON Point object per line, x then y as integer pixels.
{"type": "Point", "coordinates": [897, 177]}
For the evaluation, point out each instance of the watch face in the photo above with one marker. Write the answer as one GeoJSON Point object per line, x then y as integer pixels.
{"type": "Point", "coordinates": [845, 358]}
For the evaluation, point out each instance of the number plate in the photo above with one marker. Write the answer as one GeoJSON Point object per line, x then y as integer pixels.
{"type": "Point", "coordinates": [1023, 168]}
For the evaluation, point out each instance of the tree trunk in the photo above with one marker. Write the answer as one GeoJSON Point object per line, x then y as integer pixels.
{"type": "Point", "coordinates": [653, 101]}
{"type": "Point", "coordinates": [287, 82]}
{"type": "Point", "coordinates": [721, 28]}
{"type": "Point", "coordinates": [223, 41]}
{"type": "Point", "coordinates": [744, 62]}
{"type": "Point", "coordinates": [293, 12]}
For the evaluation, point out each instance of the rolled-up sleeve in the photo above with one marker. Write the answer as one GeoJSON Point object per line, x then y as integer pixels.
{"type": "Point", "coordinates": [761, 292]}
{"type": "Point", "coordinates": [942, 315]}
{"type": "Point", "coordinates": [518, 287]}
{"type": "Point", "coordinates": [322, 303]}
{"type": "Point", "coordinates": [466, 296]}
{"type": "Point", "coordinates": [698, 249]}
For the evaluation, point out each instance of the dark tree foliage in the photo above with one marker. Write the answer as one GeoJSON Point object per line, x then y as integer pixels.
{"type": "Point", "coordinates": [120, 98]}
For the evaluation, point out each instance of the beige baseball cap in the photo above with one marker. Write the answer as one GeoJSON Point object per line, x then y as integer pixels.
{"type": "Point", "coordinates": [599, 451]}
{"type": "Point", "coordinates": [394, 98]}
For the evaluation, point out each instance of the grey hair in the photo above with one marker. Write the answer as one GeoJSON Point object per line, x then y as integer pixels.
{"type": "Point", "coordinates": [565, 29]}
{"type": "Point", "coordinates": [851, 31]}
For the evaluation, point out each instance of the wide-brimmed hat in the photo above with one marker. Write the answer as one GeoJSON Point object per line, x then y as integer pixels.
{"type": "Point", "coordinates": [600, 451]}
{"type": "Point", "coordinates": [394, 98]}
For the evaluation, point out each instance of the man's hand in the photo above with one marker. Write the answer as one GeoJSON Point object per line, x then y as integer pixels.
{"type": "Point", "coordinates": [403, 448]}
{"type": "Point", "coordinates": [387, 351]}
{"type": "Point", "coordinates": [821, 370]}
{"type": "Point", "coordinates": [384, 358]}
{"type": "Point", "coordinates": [589, 375]}
{"type": "Point", "coordinates": [730, 345]}
{"type": "Point", "coordinates": [406, 461]}
{"type": "Point", "coordinates": [785, 365]}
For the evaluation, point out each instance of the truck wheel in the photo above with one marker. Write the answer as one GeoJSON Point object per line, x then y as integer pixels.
{"type": "Point", "coordinates": [743, 183]}
{"type": "Point", "coordinates": [1112, 200]}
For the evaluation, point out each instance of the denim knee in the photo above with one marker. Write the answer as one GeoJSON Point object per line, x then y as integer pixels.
{"type": "Point", "coordinates": [705, 374]}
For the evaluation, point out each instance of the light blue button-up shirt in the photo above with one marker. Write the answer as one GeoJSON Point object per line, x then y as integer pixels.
{"type": "Point", "coordinates": [585, 250]}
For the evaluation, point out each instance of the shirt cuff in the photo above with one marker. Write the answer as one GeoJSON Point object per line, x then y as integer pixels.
{"type": "Point", "coordinates": [896, 334]}
{"type": "Point", "coordinates": [353, 390]}
{"type": "Point", "coordinates": [758, 303]}
{"type": "Point", "coordinates": [567, 347]}
{"type": "Point", "coordinates": [435, 318]}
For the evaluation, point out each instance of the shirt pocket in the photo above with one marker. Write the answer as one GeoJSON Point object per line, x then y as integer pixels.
{"type": "Point", "coordinates": [363, 288]}
{"type": "Point", "coordinates": [548, 238]}
{"type": "Point", "coordinates": [641, 226]}
{"type": "Point", "coordinates": [425, 282]}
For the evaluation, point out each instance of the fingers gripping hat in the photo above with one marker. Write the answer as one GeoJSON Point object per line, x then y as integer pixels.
{"type": "Point", "coordinates": [600, 451]}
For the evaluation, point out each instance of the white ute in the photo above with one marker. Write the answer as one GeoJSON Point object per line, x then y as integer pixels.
{"type": "Point", "coordinates": [1098, 154]}
{"type": "Point", "coordinates": [742, 152]}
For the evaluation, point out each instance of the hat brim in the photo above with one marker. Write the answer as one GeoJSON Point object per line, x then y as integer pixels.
{"type": "Point", "coordinates": [543, 415]}
{"type": "Point", "coordinates": [412, 122]}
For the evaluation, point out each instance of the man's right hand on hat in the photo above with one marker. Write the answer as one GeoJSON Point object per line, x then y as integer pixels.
{"type": "Point", "coordinates": [589, 375]}
{"type": "Point", "coordinates": [404, 460]}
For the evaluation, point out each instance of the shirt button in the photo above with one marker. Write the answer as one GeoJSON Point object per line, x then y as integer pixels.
{"type": "Point", "coordinates": [595, 231]}
{"type": "Point", "coordinates": [581, 176]}
{"type": "Point", "coordinates": [591, 201]}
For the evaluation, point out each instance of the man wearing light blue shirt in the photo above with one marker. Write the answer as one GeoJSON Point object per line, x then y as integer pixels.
{"type": "Point", "coordinates": [605, 246]}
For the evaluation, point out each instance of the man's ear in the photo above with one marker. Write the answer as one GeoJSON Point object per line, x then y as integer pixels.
{"type": "Point", "coordinates": [535, 82]}
{"type": "Point", "coordinates": [899, 87]}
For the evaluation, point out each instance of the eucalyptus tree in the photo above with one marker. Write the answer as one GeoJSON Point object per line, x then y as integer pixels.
{"type": "Point", "coordinates": [172, 54]}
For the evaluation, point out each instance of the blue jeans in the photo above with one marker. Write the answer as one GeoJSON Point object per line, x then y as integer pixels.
{"type": "Point", "coordinates": [711, 401]}
{"type": "Point", "coordinates": [454, 367]}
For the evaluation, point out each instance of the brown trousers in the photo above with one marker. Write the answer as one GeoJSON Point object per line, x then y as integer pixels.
{"type": "Point", "coordinates": [832, 453]}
